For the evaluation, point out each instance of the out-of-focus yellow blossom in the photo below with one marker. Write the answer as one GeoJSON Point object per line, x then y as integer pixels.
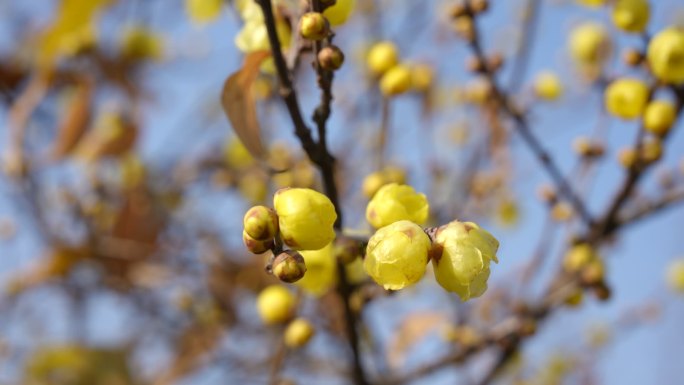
{"type": "Point", "coordinates": [298, 333]}
{"type": "Point", "coordinates": [422, 77]}
{"type": "Point", "coordinates": [547, 86]}
{"type": "Point", "coordinates": [275, 304]}
{"type": "Point", "coordinates": [253, 186]}
{"type": "Point", "coordinates": [397, 255]}
{"type": "Point", "coordinates": [589, 44]}
{"type": "Point", "coordinates": [651, 150]}
{"type": "Point", "coordinates": [396, 81]}
{"type": "Point", "coordinates": [236, 154]}
{"type": "Point", "coordinates": [626, 98]}
{"type": "Point", "coordinates": [666, 55]}
{"type": "Point", "coordinates": [321, 271]}
{"type": "Point", "coordinates": [631, 15]}
{"type": "Point", "coordinates": [339, 12]}
{"type": "Point", "coordinates": [461, 256]}
{"type": "Point", "coordinates": [203, 11]}
{"type": "Point", "coordinates": [373, 181]}
{"type": "Point", "coordinates": [381, 57]}
{"type": "Point", "coordinates": [395, 202]}
{"type": "Point", "coordinates": [659, 117]}
{"type": "Point", "coordinates": [141, 43]}
{"type": "Point", "coordinates": [306, 218]}
{"type": "Point", "coordinates": [254, 37]}
{"type": "Point", "coordinates": [77, 365]}
{"type": "Point", "coordinates": [355, 272]}
{"type": "Point", "coordinates": [508, 212]}
{"type": "Point", "coordinates": [592, 3]}
{"type": "Point", "coordinates": [578, 257]}
{"type": "Point", "coordinates": [675, 275]}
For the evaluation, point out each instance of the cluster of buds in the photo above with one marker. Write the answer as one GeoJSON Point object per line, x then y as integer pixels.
{"type": "Point", "coordinates": [463, 14]}
{"type": "Point", "coordinates": [398, 253]}
{"type": "Point", "coordinates": [587, 148]}
{"type": "Point", "coordinates": [315, 26]}
{"type": "Point", "coordinates": [303, 219]}
{"type": "Point", "coordinates": [396, 78]}
{"type": "Point", "coordinates": [583, 261]}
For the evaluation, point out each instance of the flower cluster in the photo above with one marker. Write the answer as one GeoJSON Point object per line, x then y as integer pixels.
{"type": "Point", "coordinates": [398, 253]}
{"type": "Point", "coordinates": [395, 77]}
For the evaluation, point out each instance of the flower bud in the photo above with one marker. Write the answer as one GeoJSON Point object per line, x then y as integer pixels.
{"type": "Point", "coordinates": [631, 15]}
{"type": "Point", "coordinates": [422, 77]}
{"type": "Point", "coordinates": [396, 81]}
{"type": "Point", "coordinates": [627, 157]}
{"type": "Point", "coordinates": [330, 58]}
{"type": "Point", "coordinates": [575, 299]}
{"type": "Point", "coordinates": [547, 86]}
{"type": "Point", "coordinates": [346, 250]}
{"type": "Point", "coordinates": [651, 150]}
{"type": "Point", "coordinates": [381, 57]}
{"type": "Point", "coordinates": [461, 256]}
{"type": "Point", "coordinates": [397, 255]}
{"type": "Point", "coordinates": [464, 27]}
{"type": "Point", "coordinates": [659, 117]}
{"type": "Point", "coordinates": [602, 292]}
{"type": "Point", "coordinates": [479, 6]}
{"type": "Point", "coordinates": [626, 98]}
{"type": "Point", "coordinates": [260, 223]}
{"type": "Point", "coordinates": [289, 266]}
{"type": "Point", "coordinates": [257, 246]}
{"type": "Point", "coordinates": [589, 44]}
{"type": "Point", "coordinates": [298, 333]}
{"type": "Point", "coordinates": [495, 62]}
{"type": "Point", "coordinates": [666, 55]}
{"type": "Point", "coordinates": [306, 218]}
{"type": "Point", "coordinates": [394, 202]}
{"type": "Point", "coordinates": [593, 273]}
{"type": "Point", "coordinates": [275, 304]}
{"type": "Point", "coordinates": [313, 26]}
{"type": "Point", "coordinates": [632, 57]}
{"type": "Point", "coordinates": [562, 211]}
{"type": "Point", "coordinates": [578, 257]}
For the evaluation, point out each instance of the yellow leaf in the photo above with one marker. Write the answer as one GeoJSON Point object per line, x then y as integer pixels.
{"type": "Point", "coordinates": [239, 104]}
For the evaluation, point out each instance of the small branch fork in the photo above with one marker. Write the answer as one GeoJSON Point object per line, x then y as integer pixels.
{"type": "Point", "coordinates": [318, 153]}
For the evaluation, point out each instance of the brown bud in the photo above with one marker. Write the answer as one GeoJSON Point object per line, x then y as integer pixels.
{"type": "Point", "coordinates": [260, 223]}
{"type": "Point", "coordinates": [632, 57]}
{"type": "Point", "coordinates": [347, 249]}
{"type": "Point", "coordinates": [474, 64]}
{"type": "Point", "coordinates": [289, 266]}
{"type": "Point", "coordinates": [257, 246]}
{"type": "Point", "coordinates": [463, 25]}
{"type": "Point", "coordinates": [593, 273]}
{"type": "Point", "coordinates": [547, 193]}
{"type": "Point", "coordinates": [458, 10]}
{"type": "Point", "coordinates": [602, 292]}
{"type": "Point", "coordinates": [330, 58]}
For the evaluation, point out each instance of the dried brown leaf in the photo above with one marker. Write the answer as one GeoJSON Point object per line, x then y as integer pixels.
{"type": "Point", "coordinates": [239, 104]}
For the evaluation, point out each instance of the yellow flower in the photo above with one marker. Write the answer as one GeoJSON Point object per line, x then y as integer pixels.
{"type": "Point", "coordinates": [461, 256]}
{"type": "Point", "coordinates": [339, 12]}
{"type": "Point", "coordinates": [631, 15]}
{"type": "Point", "coordinates": [589, 44]}
{"type": "Point", "coordinates": [373, 181]}
{"type": "Point", "coordinates": [547, 86]}
{"type": "Point", "coordinates": [306, 218]}
{"type": "Point", "coordinates": [396, 81]}
{"type": "Point", "coordinates": [397, 255]}
{"type": "Point", "coordinates": [666, 55]}
{"type": "Point", "coordinates": [395, 202]}
{"type": "Point", "coordinates": [578, 257]}
{"type": "Point", "coordinates": [321, 271]}
{"type": "Point", "coordinates": [626, 98]}
{"type": "Point", "coordinates": [275, 304]}
{"type": "Point", "coordinates": [422, 76]}
{"type": "Point", "coordinates": [675, 275]}
{"type": "Point", "coordinates": [659, 117]}
{"type": "Point", "coordinates": [203, 11]}
{"type": "Point", "coordinates": [298, 333]}
{"type": "Point", "coordinates": [381, 57]}
{"type": "Point", "coordinates": [592, 3]}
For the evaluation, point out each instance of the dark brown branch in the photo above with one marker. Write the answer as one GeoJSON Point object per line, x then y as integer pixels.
{"type": "Point", "coordinates": [669, 199]}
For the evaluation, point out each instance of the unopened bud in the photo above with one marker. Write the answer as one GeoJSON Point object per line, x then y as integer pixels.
{"type": "Point", "coordinates": [458, 10]}
{"type": "Point", "coordinates": [593, 273]}
{"type": "Point", "coordinates": [474, 64]}
{"type": "Point", "coordinates": [602, 292]}
{"type": "Point", "coordinates": [313, 26]}
{"type": "Point", "coordinates": [651, 150]}
{"type": "Point", "coordinates": [347, 249]}
{"type": "Point", "coordinates": [632, 57]}
{"type": "Point", "coordinates": [257, 246]}
{"type": "Point", "coordinates": [330, 58]}
{"type": "Point", "coordinates": [495, 62]}
{"type": "Point", "coordinates": [289, 266]}
{"type": "Point", "coordinates": [261, 223]}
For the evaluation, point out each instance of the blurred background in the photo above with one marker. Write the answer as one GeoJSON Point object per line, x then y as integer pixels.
{"type": "Point", "coordinates": [123, 189]}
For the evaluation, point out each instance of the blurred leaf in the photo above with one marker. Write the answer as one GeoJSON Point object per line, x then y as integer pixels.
{"type": "Point", "coordinates": [239, 103]}
{"type": "Point", "coordinates": [413, 329]}
{"type": "Point", "coordinates": [75, 120]}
